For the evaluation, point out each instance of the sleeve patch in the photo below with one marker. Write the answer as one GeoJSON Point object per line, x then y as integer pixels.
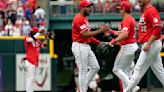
{"type": "Point", "coordinates": [155, 20]}
{"type": "Point", "coordinates": [125, 29]}
{"type": "Point", "coordinates": [83, 27]}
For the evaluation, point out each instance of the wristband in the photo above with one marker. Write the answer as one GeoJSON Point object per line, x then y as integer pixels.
{"type": "Point", "coordinates": [111, 31]}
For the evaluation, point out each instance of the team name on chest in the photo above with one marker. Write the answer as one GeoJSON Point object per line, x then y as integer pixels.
{"type": "Point", "coordinates": [142, 20]}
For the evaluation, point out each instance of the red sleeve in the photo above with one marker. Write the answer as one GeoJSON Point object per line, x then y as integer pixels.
{"type": "Point", "coordinates": [156, 22]}
{"type": "Point", "coordinates": [157, 31]}
{"type": "Point", "coordinates": [125, 26]}
{"type": "Point", "coordinates": [81, 24]}
{"type": "Point", "coordinates": [154, 19]}
{"type": "Point", "coordinates": [94, 40]}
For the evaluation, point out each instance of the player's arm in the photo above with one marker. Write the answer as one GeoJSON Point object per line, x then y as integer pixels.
{"type": "Point", "coordinates": [31, 39]}
{"type": "Point", "coordinates": [87, 33]}
{"type": "Point", "coordinates": [154, 37]}
{"type": "Point", "coordinates": [34, 37]}
{"type": "Point", "coordinates": [156, 31]}
{"type": "Point", "coordinates": [44, 44]}
{"type": "Point", "coordinates": [94, 40]}
{"type": "Point", "coordinates": [157, 28]}
{"type": "Point", "coordinates": [112, 32]}
{"type": "Point", "coordinates": [85, 29]}
{"type": "Point", "coordinates": [122, 35]}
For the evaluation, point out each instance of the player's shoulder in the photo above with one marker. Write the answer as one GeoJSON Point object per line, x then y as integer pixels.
{"type": "Point", "coordinates": [78, 17]}
{"type": "Point", "coordinates": [151, 10]}
{"type": "Point", "coordinates": [128, 19]}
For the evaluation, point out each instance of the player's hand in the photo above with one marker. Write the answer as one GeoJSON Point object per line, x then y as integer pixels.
{"type": "Point", "coordinates": [49, 35]}
{"type": "Point", "coordinates": [46, 36]}
{"type": "Point", "coordinates": [146, 47]}
{"type": "Point", "coordinates": [104, 28]}
{"type": "Point", "coordinates": [116, 33]}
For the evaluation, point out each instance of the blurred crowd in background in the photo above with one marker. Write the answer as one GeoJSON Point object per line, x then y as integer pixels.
{"type": "Point", "coordinates": [17, 17]}
{"type": "Point", "coordinates": [101, 7]}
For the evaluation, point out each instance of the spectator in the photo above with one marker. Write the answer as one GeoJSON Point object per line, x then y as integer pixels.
{"type": "Point", "coordinates": [115, 4]}
{"type": "Point", "coordinates": [26, 28]}
{"type": "Point", "coordinates": [39, 20]}
{"type": "Point", "coordinates": [107, 6]}
{"type": "Point", "coordinates": [1, 21]}
{"type": "Point", "coordinates": [158, 6]}
{"type": "Point", "coordinates": [11, 12]}
{"type": "Point", "coordinates": [136, 7]}
{"type": "Point", "coordinates": [17, 28]}
{"type": "Point", "coordinates": [99, 7]}
{"type": "Point", "coordinates": [28, 12]}
{"type": "Point", "coordinates": [40, 12]}
{"type": "Point", "coordinates": [20, 11]}
{"type": "Point", "coordinates": [9, 28]}
{"type": "Point", "coordinates": [133, 2]}
{"type": "Point", "coordinates": [23, 2]}
{"type": "Point", "coordinates": [32, 3]}
{"type": "Point", "coordinates": [3, 7]}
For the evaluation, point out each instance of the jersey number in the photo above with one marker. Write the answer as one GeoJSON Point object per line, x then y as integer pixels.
{"type": "Point", "coordinates": [143, 28]}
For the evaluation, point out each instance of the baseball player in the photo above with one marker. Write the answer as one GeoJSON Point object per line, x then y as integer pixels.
{"type": "Point", "coordinates": [32, 45]}
{"type": "Point", "coordinates": [81, 37]}
{"type": "Point", "coordinates": [126, 37]}
{"type": "Point", "coordinates": [150, 27]}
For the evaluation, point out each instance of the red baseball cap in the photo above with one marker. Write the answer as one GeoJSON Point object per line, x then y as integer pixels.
{"type": "Point", "coordinates": [34, 29]}
{"type": "Point", "coordinates": [85, 3]}
{"type": "Point", "coordinates": [126, 5]}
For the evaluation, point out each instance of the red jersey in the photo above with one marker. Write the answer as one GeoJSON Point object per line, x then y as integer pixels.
{"type": "Point", "coordinates": [128, 25]}
{"type": "Point", "coordinates": [32, 50]}
{"type": "Point", "coordinates": [80, 24]}
{"type": "Point", "coordinates": [148, 20]}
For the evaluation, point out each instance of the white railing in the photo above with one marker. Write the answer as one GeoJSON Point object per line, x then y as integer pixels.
{"type": "Point", "coordinates": [58, 8]}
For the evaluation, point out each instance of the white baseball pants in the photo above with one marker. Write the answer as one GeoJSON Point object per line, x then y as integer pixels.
{"type": "Point", "coordinates": [151, 58]}
{"type": "Point", "coordinates": [30, 76]}
{"type": "Point", "coordinates": [85, 59]}
{"type": "Point", "coordinates": [123, 63]}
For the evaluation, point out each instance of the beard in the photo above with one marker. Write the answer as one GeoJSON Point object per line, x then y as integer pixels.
{"type": "Point", "coordinates": [86, 13]}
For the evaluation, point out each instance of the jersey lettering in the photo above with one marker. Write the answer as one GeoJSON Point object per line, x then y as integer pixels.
{"type": "Point", "coordinates": [142, 24]}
